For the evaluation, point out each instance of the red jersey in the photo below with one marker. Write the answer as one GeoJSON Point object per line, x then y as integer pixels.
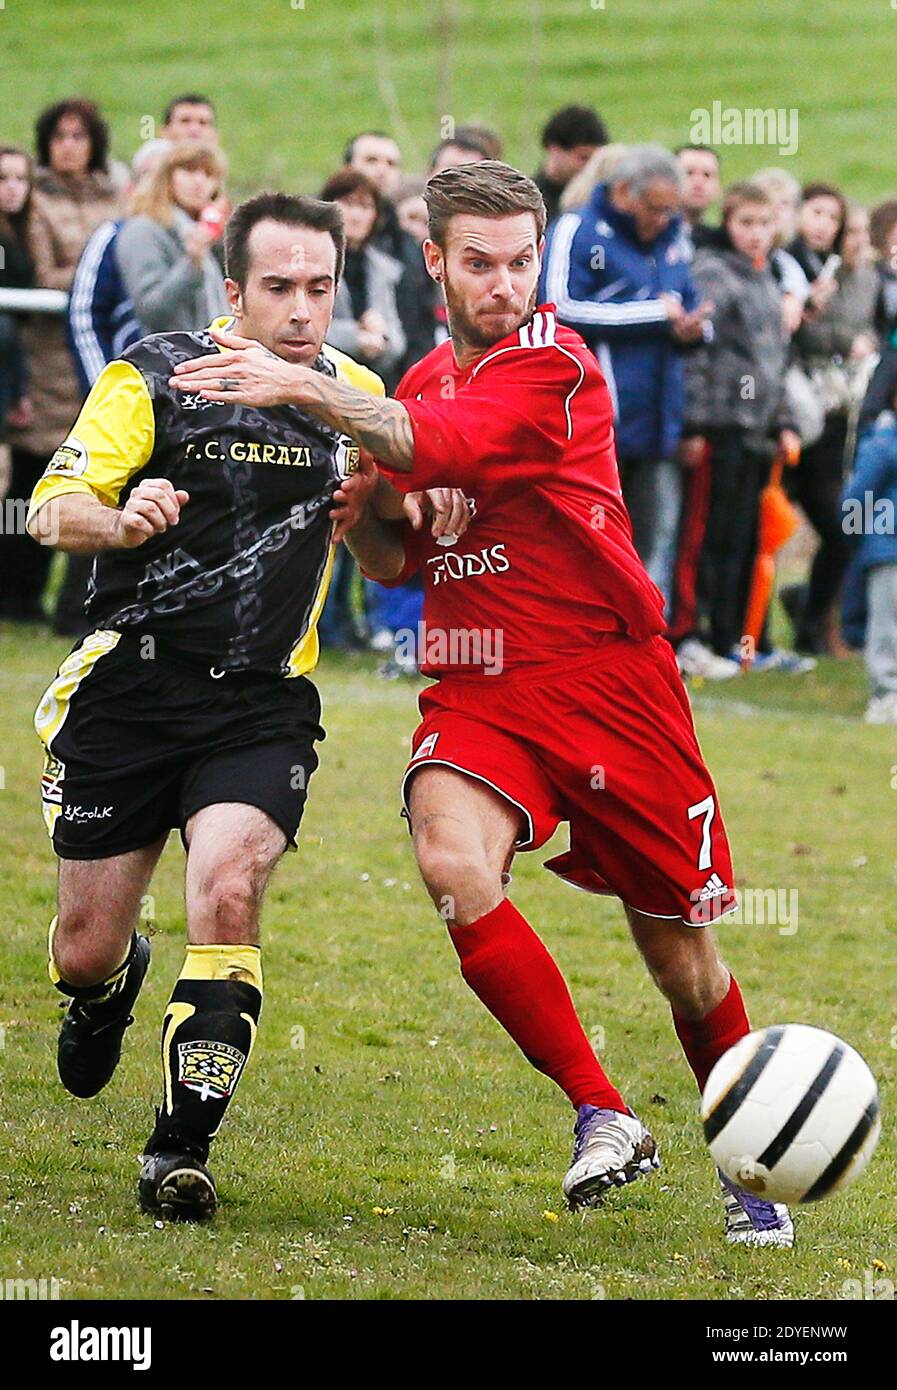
{"type": "Point", "coordinates": [547, 569]}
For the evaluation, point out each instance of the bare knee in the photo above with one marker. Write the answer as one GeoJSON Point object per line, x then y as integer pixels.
{"type": "Point", "coordinates": [87, 947]}
{"type": "Point", "coordinates": [460, 878]}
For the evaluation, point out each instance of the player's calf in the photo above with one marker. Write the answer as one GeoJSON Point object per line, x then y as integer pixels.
{"type": "Point", "coordinates": [212, 1017]}
{"type": "Point", "coordinates": [97, 959]}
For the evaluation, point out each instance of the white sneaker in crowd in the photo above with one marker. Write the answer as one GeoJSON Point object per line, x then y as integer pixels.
{"type": "Point", "coordinates": [882, 709]}
{"type": "Point", "coordinates": [697, 660]}
{"type": "Point", "coordinates": [382, 640]}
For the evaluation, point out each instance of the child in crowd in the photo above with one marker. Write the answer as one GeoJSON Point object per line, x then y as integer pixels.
{"type": "Point", "coordinates": [736, 408]}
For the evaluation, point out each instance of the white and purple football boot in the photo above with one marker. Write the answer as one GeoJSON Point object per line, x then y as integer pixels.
{"type": "Point", "coordinates": [610, 1149]}
{"type": "Point", "coordinates": [751, 1220]}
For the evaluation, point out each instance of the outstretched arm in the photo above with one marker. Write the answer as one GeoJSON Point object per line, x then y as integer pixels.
{"type": "Point", "coordinates": [251, 375]}
{"type": "Point", "coordinates": [520, 417]}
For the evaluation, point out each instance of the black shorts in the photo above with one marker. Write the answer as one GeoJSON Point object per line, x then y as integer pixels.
{"type": "Point", "coordinates": [136, 747]}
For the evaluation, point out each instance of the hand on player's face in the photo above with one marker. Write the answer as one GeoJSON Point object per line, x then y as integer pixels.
{"type": "Point", "coordinates": [352, 495]}
{"type": "Point", "coordinates": [447, 505]}
{"type": "Point", "coordinates": [153, 506]}
{"type": "Point", "coordinates": [247, 374]}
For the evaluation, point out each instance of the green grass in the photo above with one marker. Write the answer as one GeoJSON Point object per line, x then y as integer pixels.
{"type": "Point", "coordinates": [293, 80]}
{"type": "Point", "coordinates": [406, 1150]}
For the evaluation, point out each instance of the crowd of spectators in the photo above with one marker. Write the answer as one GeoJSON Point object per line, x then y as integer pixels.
{"type": "Point", "coordinates": [746, 332]}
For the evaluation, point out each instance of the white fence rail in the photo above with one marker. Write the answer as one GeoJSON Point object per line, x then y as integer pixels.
{"type": "Point", "coordinates": [32, 301]}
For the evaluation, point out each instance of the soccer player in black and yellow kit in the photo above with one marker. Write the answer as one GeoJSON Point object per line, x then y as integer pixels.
{"type": "Point", "coordinates": [188, 705]}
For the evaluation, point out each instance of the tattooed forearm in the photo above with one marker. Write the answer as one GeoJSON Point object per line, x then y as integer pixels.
{"type": "Point", "coordinates": [381, 426]}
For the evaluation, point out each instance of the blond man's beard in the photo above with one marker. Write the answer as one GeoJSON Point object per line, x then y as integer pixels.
{"type": "Point", "coordinates": [466, 333]}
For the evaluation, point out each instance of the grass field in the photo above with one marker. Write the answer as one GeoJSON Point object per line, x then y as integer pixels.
{"type": "Point", "coordinates": [388, 1141]}
{"type": "Point", "coordinates": [295, 78]}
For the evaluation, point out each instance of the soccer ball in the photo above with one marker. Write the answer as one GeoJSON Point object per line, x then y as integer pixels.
{"type": "Point", "coordinates": [791, 1113]}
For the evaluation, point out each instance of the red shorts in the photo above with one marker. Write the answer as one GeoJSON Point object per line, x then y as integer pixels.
{"type": "Point", "coordinates": [608, 744]}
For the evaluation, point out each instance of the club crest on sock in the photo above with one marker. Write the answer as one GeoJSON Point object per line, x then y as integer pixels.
{"type": "Point", "coordinates": [210, 1068]}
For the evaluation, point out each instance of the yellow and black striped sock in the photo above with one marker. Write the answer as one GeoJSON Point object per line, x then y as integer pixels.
{"type": "Point", "coordinates": [103, 990]}
{"type": "Point", "coordinates": [207, 1036]}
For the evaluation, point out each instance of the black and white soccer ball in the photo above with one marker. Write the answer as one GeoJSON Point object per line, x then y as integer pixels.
{"type": "Point", "coordinates": [791, 1113]}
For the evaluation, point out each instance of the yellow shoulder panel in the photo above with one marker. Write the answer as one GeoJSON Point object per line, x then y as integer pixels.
{"type": "Point", "coordinates": [111, 440]}
{"type": "Point", "coordinates": [353, 373]}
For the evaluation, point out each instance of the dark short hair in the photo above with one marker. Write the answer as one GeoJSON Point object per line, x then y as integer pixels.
{"type": "Point", "coordinates": [822, 189]}
{"type": "Point", "coordinates": [347, 181]}
{"type": "Point", "coordinates": [469, 138]}
{"type": "Point", "coordinates": [89, 115]}
{"type": "Point", "coordinates": [188, 99]}
{"type": "Point", "coordinates": [698, 149]}
{"type": "Point", "coordinates": [574, 125]}
{"type": "Point", "coordinates": [489, 139]}
{"type": "Point", "coordinates": [349, 147]}
{"type": "Point", "coordinates": [292, 211]}
{"type": "Point", "coordinates": [486, 189]}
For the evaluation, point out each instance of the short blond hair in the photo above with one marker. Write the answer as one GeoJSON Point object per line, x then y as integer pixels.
{"type": "Point", "coordinates": [597, 169]}
{"type": "Point", "coordinates": [153, 196]}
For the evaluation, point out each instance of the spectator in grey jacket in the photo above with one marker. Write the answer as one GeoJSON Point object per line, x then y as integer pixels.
{"type": "Point", "coordinates": [736, 405]}
{"type": "Point", "coordinates": [164, 249]}
{"type": "Point", "coordinates": [366, 321]}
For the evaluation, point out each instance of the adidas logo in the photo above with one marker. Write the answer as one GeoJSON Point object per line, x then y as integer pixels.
{"type": "Point", "coordinates": [713, 888]}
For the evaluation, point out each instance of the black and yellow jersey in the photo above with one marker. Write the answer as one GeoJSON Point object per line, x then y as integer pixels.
{"type": "Point", "coordinates": [240, 581]}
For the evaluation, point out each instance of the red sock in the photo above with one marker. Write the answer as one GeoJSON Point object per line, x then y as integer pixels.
{"type": "Point", "coordinates": [706, 1039]}
{"type": "Point", "coordinates": [511, 972]}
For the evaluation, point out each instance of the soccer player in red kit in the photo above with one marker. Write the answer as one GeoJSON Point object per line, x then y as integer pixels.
{"type": "Point", "coordinates": [556, 696]}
